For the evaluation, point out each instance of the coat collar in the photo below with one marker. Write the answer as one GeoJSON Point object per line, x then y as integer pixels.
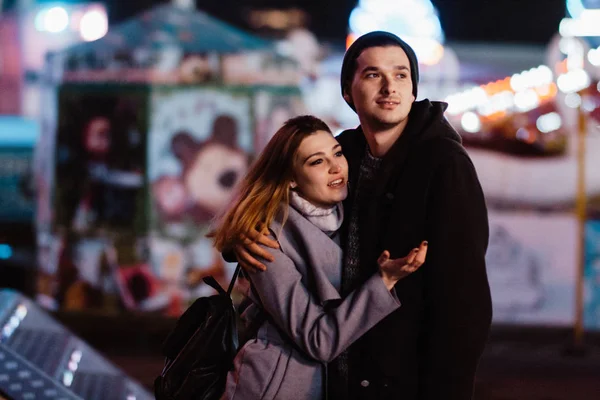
{"type": "Point", "coordinates": [318, 251]}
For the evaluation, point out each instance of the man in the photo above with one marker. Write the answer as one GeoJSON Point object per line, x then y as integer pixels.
{"type": "Point", "coordinates": [410, 180]}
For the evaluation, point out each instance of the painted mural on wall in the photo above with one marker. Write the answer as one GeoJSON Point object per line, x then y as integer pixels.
{"type": "Point", "coordinates": [92, 257]}
{"type": "Point", "coordinates": [199, 149]}
{"type": "Point", "coordinates": [140, 176]}
{"type": "Point", "coordinates": [530, 263]}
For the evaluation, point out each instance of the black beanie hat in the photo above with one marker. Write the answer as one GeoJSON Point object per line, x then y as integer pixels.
{"type": "Point", "coordinates": [376, 39]}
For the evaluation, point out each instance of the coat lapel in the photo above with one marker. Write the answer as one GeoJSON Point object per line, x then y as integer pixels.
{"type": "Point", "coordinates": [317, 257]}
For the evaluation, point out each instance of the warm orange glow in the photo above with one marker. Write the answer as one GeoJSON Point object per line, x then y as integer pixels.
{"type": "Point", "coordinates": [278, 19]}
{"type": "Point", "coordinates": [502, 100]}
{"type": "Point", "coordinates": [350, 39]}
{"type": "Point", "coordinates": [562, 67]}
{"type": "Point", "coordinates": [493, 117]}
{"type": "Point", "coordinates": [436, 55]}
{"type": "Point", "coordinates": [547, 92]}
{"type": "Point", "coordinates": [497, 87]}
{"type": "Point", "coordinates": [530, 138]}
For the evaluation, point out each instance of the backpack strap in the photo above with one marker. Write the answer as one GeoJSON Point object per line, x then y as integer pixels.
{"type": "Point", "coordinates": [233, 279]}
{"type": "Point", "coordinates": [212, 282]}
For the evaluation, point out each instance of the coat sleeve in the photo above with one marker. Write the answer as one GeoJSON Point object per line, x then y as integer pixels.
{"type": "Point", "coordinates": [322, 334]}
{"type": "Point", "coordinates": [458, 307]}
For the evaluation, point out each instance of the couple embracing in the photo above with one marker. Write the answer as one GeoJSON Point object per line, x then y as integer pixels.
{"type": "Point", "coordinates": [366, 252]}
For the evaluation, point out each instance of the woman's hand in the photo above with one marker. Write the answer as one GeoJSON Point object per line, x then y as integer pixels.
{"type": "Point", "coordinates": [249, 249]}
{"type": "Point", "coordinates": [392, 271]}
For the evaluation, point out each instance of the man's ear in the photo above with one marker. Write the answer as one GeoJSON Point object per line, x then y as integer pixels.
{"type": "Point", "coordinates": [347, 97]}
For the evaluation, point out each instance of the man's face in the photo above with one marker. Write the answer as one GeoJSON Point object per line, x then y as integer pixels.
{"type": "Point", "coordinates": [381, 89]}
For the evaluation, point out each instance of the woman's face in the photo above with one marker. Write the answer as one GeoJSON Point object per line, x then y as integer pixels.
{"type": "Point", "coordinates": [321, 170]}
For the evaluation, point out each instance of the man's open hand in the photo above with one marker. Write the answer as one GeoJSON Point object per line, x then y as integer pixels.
{"type": "Point", "coordinates": [249, 250]}
{"type": "Point", "coordinates": [392, 270]}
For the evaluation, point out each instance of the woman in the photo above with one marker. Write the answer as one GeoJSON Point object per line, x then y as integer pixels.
{"type": "Point", "coordinates": [295, 190]}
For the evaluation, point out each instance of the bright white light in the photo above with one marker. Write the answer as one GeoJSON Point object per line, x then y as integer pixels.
{"type": "Point", "coordinates": [7, 330]}
{"type": "Point", "coordinates": [534, 77]}
{"type": "Point", "coordinates": [21, 311]}
{"type": "Point", "coordinates": [14, 321]}
{"type": "Point", "coordinates": [67, 378]}
{"type": "Point", "coordinates": [500, 102]}
{"type": "Point", "coordinates": [470, 122]}
{"type": "Point", "coordinates": [427, 28]}
{"type": "Point", "coordinates": [573, 100]}
{"type": "Point", "coordinates": [93, 25]}
{"type": "Point", "coordinates": [576, 28]}
{"type": "Point", "coordinates": [565, 45]}
{"type": "Point", "coordinates": [428, 51]}
{"type": "Point", "coordinates": [543, 75]}
{"type": "Point", "coordinates": [544, 90]}
{"type": "Point", "coordinates": [54, 20]}
{"type": "Point", "coordinates": [585, 25]}
{"type": "Point", "coordinates": [594, 57]}
{"type": "Point", "coordinates": [369, 5]}
{"type": "Point", "coordinates": [415, 21]}
{"type": "Point", "coordinates": [416, 8]}
{"type": "Point", "coordinates": [575, 51]}
{"type": "Point", "coordinates": [73, 366]}
{"type": "Point", "coordinates": [467, 100]}
{"type": "Point", "coordinates": [39, 21]}
{"type": "Point", "coordinates": [185, 4]}
{"type": "Point", "coordinates": [517, 82]}
{"type": "Point", "coordinates": [526, 100]}
{"type": "Point", "coordinates": [575, 7]}
{"type": "Point", "coordinates": [76, 356]}
{"type": "Point", "coordinates": [573, 81]}
{"type": "Point", "coordinates": [588, 104]}
{"type": "Point", "coordinates": [549, 122]}
{"type": "Point", "coordinates": [360, 21]}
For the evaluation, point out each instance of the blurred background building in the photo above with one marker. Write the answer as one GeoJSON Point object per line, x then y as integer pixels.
{"type": "Point", "coordinates": [110, 111]}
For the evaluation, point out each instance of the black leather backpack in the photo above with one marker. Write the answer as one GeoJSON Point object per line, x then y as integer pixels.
{"type": "Point", "coordinates": [200, 350]}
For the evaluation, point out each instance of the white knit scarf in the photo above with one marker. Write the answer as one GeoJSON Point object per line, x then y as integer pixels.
{"type": "Point", "coordinates": [326, 219]}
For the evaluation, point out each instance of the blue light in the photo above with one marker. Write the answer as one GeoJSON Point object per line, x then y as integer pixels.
{"type": "Point", "coordinates": [54, 20]}
{"type": "Point", "coordinates": [575, 8]}
{"type": "Point", "coordinates": [5, 252]}
{"type": "Point", "coordinates": [18, 131]}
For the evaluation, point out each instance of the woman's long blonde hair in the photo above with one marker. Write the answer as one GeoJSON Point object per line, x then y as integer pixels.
{"type": "Point", "coordinates": [266, 185]}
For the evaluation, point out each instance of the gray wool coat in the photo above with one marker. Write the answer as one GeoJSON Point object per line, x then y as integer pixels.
{"type": "Point", "coordinates": [303, 332]}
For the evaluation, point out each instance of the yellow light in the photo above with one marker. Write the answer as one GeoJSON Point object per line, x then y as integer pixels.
{"type": "Point", "coordinates": [350, 39]}
{"type": "Point", "coordinates": [437, 52]}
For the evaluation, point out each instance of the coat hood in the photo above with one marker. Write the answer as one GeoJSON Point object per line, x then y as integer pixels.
{"type": "Point", "coordinates": [426, 121]}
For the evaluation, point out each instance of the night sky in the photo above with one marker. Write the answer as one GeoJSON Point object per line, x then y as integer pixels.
{"type": "Point", "coordinates": [525, 21]}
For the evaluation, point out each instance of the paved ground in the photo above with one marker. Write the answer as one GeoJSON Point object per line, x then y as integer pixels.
{"type": "Point", "coordinates": [518, 364]}
{"type": "Point", "coordinates": [498, 379]}
{"type": "Point", "coordinates": [525, 371]}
